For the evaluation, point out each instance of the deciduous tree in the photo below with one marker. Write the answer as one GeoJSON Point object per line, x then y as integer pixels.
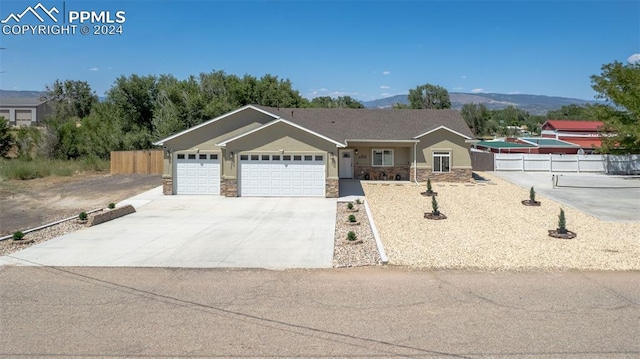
{"type": "Point", "coordinates": [619, 85]}
{"type": "Point", "coordinates": [429, 96]}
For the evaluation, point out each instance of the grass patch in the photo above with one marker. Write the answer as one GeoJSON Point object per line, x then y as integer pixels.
{"type": "Point", "coordinates": [16, 169]}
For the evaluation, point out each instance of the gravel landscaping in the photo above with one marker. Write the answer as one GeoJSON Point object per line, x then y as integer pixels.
{"type": "Point", "coordinates": [488, 228]}
{"type": "Point", "coordinates": [8, 247]}
{"type": "Point", "coordinates": [354, 255]}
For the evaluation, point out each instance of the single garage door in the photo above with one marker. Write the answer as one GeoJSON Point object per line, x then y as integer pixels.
{"type": "Point", "coordinates": [197, 174]}
{"type": "Point", "coordinates": [282, 175]}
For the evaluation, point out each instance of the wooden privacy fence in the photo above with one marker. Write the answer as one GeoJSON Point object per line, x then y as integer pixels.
{"type": "Point", "coordinates": [482, 161]}
{"type": "Point", "coordinates": [136, 162]}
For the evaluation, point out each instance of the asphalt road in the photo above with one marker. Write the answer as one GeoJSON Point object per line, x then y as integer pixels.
{"type": "Point", "coordinates": [356, 313]}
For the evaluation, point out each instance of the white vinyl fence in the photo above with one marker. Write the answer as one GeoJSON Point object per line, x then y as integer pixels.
{"type": "Point", "coordinates": [549, 163]}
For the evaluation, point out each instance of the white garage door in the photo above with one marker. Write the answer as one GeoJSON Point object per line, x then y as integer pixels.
{"type": "Point", "coordinates": [197, 174]}
{"type": "Point", "coordinates": [282, 175]}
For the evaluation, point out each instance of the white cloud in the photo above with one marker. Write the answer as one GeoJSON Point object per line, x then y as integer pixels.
{"type": "Point", "coordinates": [384, 87]}
{"type": "Point", "coordinates": [386, 72]}
{"type": "Point", "coordinates": [93, 69]}
{"type": "Point", "coordinates": [478, 90]}
{"type": "Point", "coordinates": [326, 92]}
{"type": "Point", "coordinates": [634, 59]}
{"type": "Point", "coordinates": [463, 76]}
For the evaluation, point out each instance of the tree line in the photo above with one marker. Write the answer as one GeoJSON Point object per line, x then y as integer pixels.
{"type": "Point", "coordinates": [139, 110]}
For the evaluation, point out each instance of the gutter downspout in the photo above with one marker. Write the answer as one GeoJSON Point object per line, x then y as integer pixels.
{"type": "Point", "coordinates": [415, 164]}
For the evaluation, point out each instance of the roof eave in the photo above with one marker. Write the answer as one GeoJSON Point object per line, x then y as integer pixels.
{"type": "Point", "coordinates": [280, 120]}
{"type": "Point", "coordinates": [445, 128]}
{"type": "Point", "coordinates": [161, 142]}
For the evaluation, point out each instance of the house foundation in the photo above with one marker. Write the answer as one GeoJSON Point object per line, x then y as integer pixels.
{"type": "Point", "coordinates": [455, 175]}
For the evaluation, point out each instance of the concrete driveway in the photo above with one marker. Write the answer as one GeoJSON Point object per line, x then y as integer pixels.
{"type": "Point", "coordinates": [199, 232]}
{"type": "Point", "coordinates": [607, 197]}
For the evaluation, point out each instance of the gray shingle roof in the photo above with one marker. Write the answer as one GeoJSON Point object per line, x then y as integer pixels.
{"type": "Point", "coordinates": [372, 124]}
{"type": "Point", "coordinates": [20, 101]}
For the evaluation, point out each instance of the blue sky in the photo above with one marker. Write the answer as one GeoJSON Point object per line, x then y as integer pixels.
{"type": "Point", "coordinates": [364, 49]}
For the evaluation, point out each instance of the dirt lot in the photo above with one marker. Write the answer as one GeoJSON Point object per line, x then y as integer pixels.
{"type": "Point", "coordinates": [26, 204]}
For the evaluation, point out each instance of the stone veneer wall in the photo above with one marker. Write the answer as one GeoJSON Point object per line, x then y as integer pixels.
{"type": "Point", "coordinates": [390, 172]}
{"type": "Point", "coordinates": [332, 188]}
{"type": "Point", "coordinates": [167, 185]}
{"type": "Point", "coordinates": [456, 175]}
{"type": "Point", "coordinates": [229, 187]}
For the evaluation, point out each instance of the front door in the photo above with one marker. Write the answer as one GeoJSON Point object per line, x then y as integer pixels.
{"type": "Point", "coordinates": [346, 164]}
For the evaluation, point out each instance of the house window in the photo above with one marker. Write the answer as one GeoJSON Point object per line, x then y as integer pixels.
{"type": "Point", "coordinates": [192, 157]}
{"type": "Point", "coordinates": [441, 161]}
{"type": "Point", "coordinates": [382, 158]}
{"type": "Point", "coordinates": [276, 157]}
{"type": "Point", "coordinates": [244, 157]}
{"type": "Point", "coordinates": [181, 156]}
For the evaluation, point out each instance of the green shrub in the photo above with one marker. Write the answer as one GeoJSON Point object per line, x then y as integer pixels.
{"type": "Point", "coordinates": [352, 218]}
{"type": "Point", "coordinates": [18, 235]}
{"type": "Point", "coordinates": [562, 222]}
{"type": "Point", "coordinates": [112, 205]}
{"type": "Point", "coordinates": [83, 216]}
{"type": "Point", "coordinates": [351, 236]}
{"type": "Point", "coordinates": [18, 169]}
{"type": "Point", "coordinates": [25, 169]}
{"type": "Point", "coordinates": [532, 194]}
{"type": "Point", "coordinates": [429, 189]}
{"type": "Point", "coordinates": [434, 206]}
{"type": "Point", "coordinates": [6, 139]}
{"type": "Point", "coordinates": [358, 201]}
{"type": "Point", "coordinates": [350, 205]}
{"type": "Point", "coordinates": [93, 163]}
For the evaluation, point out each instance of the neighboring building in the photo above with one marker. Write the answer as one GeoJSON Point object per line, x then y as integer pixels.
{"type": "Point", "coordinates": [21, 111]}
{"type": "Point", "coordinates": [534, 145]}
{"type": "Point", "coordinates": [586, 134]}
{"type": "Point", "coordinates": [500, 146]}
{"type": "Point", "coordinates": [553, 146]}
{"type": "Point", "coordinates": [263, 151]}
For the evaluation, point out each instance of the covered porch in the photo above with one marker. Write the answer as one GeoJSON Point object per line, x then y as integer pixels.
{"type": "Point", "coordinates": [377, 160]}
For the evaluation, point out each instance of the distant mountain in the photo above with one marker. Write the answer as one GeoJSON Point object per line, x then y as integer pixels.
{"type": "Point", "coordinates": [23, 94]}
{"type": "Point", "coordinates": [534, 104]}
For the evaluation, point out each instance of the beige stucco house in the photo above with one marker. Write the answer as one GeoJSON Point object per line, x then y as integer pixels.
{"type": "Point", "coordinates": [264, 151]}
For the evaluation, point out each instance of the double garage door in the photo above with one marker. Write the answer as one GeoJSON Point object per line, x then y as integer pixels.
{"type": "Point", "coordinates": [197, 173]}
{"type": "Point", "coordinates": [282, 175]}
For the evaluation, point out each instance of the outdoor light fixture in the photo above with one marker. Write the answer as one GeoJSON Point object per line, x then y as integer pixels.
{"type": "Point", "coordinates": [356, 151]}
{"type": "Point", "coordinates": [231, 155]}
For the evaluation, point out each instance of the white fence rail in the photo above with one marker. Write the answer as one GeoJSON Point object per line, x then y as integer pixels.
{"type": "Point", "coordinates": [549, 163]}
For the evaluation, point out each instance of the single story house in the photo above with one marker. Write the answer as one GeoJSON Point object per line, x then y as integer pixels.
{"type": "Point", "coordinates": [265, 151]}
{"type": "Point", "coordinates": [25, 111]}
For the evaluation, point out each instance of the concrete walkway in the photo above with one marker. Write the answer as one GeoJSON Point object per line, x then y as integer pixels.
{"type": "Point", "coordinates": [609, 198]}
{"type": "Point", "coordinates": [199, 232]}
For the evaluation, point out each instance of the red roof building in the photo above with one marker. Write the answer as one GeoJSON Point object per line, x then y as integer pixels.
{"type": "Point", "coordinates": [586, 134]}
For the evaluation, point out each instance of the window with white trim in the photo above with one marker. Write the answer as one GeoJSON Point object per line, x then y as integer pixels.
{"type": "Point", "coordinates": [382, 158]}
{"type": "Point", "coordinates": [441, 161]}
